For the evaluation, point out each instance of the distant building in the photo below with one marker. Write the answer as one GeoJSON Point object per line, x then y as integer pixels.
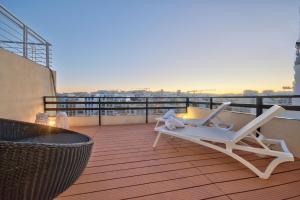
{"type": "Point", "coordinates": [268, 92]}
{"type": "Point", "coordinates": [297, 73]}
{"type": "Point", "coordinates": [250, 93]}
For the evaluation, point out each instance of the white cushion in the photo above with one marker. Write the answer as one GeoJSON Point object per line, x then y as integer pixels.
{"type": "Point", "coordinates": [170, 113]}
{"type": "Point", "coordinates": [173, 123]}
{"type": "Point", "coordinates": [170, 125]}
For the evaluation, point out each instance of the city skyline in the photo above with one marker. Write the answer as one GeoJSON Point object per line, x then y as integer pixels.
{"type": "Point", "coordinates": [188, 45]}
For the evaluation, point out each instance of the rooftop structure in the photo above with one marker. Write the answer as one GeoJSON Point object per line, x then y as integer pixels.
{"type": "Point", "coordinates": [123, 164]}
{"type": "Point", "coordinates": [297, 67]}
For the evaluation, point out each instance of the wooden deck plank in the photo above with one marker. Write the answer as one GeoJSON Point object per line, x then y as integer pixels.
{"type": "Point", "coordinates": [195, 193]}
{"type": "Point", "coordinates": [157, 169]}
{"type": "Point", "coordinates": [294, 198]}
{"type": "Point", "coordinates": [256, 183]}
{"type": "Point", "coordinates": [246, 173]}
{"type": "Point", "coordinates": [132, 172]}
{"type": "Point", "coordinates": [131, 165]}
{"type": "Point", "coordinates": [286, 191]}
{"type": "Point", "coordinates": [123, 165]}
{"type": "Point", "coordinates": [138, 158]}
{"type": "Point", "coordinates": [144, 189]}
{"type": "Point", "coordinates": [145, 152]}
{"type": "Point", "coordinates": [130, 181]}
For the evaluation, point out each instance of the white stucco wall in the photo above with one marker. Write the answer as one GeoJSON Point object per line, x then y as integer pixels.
{"type": "Point", "coordinates": [23, 85]}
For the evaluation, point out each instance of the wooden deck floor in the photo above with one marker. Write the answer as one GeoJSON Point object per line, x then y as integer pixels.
{"type": "Point", "coordinates": [124, 166]}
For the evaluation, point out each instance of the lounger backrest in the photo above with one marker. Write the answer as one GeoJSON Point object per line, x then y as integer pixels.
{"type": "Point", "coordinates": [258, 122]}
{"type": "Point", "coordinates": [215, 112]}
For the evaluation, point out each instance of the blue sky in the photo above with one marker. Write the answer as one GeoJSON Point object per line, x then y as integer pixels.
{"type": "Point", "coordinates": [226, 45]}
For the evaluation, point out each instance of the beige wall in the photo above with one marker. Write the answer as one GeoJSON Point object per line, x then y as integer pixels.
{"type": "Point", "coordinates": [280, 128]}
{"type": "Point", "coordinates": [23, 85]}
{"type": "Point", "coordinates": [236, 118]}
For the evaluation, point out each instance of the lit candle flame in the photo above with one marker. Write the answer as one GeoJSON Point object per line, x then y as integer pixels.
{"type": "Point", "coordinates": [51, 123]}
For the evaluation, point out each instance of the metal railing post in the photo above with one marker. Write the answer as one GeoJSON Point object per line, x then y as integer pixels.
{"type": "Point", "coordinates": [44, 99]}
{"type": "Point", "coordinates": [147, 110]}
{"type": "Point", "coordinates": [85, 107]}
{"type": "Point", "coordinates": [187, 104]}
{"type": "Point", "coordinates": [47, 55]}
{"type": "Point", "coordinates": [259, 103]}
{"type": "Point", "coordinates": [259, 110]}
{"type": "Point", "coordinates": [25, 41]}
{"type": "Point", "coordinates": [210, 103]}
{"type": "Point", "coordinates": [99, 111]}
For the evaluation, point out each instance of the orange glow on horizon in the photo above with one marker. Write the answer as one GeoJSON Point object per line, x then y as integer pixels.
{"type": "Point", "coordinates": [216, 91]}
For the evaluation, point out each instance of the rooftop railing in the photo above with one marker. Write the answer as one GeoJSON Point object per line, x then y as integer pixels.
{"type": "Point", "coordinates": [17, 37]}
{"type": "Point", "coordinates": [158, 105]}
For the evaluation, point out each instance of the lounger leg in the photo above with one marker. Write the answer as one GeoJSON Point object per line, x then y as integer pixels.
{"type": "Point", "coordinates": [156, 140]}
{"type": "Point", "coordinates": [157, 124]}
{"type": "Point", "coordinates": [273, 165]}
{"type": "Point", "coordinates": [270, 168]}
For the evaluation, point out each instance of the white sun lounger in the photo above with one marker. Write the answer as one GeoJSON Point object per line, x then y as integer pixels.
{"type": "Point", "coordinates": [200, 122]}
{"type": "Point", "coordinates": [211, 136]}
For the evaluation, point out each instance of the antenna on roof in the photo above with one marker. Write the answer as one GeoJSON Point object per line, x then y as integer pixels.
{"type": "Point", "coordinates": [299, 22]}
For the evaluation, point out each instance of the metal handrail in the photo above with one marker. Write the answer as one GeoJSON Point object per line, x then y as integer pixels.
{"type": "Point", "coordinates": [99, 104]}
{"type": "Point", "coordinates": [27, 33]}
{"type": "Point", "coordinates": [233, 96]}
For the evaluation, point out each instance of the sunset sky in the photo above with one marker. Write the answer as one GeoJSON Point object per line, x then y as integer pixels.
{"type": "Point", "coordinates": [228, 45]}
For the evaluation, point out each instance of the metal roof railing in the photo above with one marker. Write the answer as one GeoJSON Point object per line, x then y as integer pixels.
{"type": "Point", "coordinates": [89, 105]}
{"type": "Point", "coordinates": [17, 37]}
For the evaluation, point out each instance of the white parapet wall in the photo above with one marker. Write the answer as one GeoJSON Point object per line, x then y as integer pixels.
{"type": "Point", "coordinates": [23, 85]}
